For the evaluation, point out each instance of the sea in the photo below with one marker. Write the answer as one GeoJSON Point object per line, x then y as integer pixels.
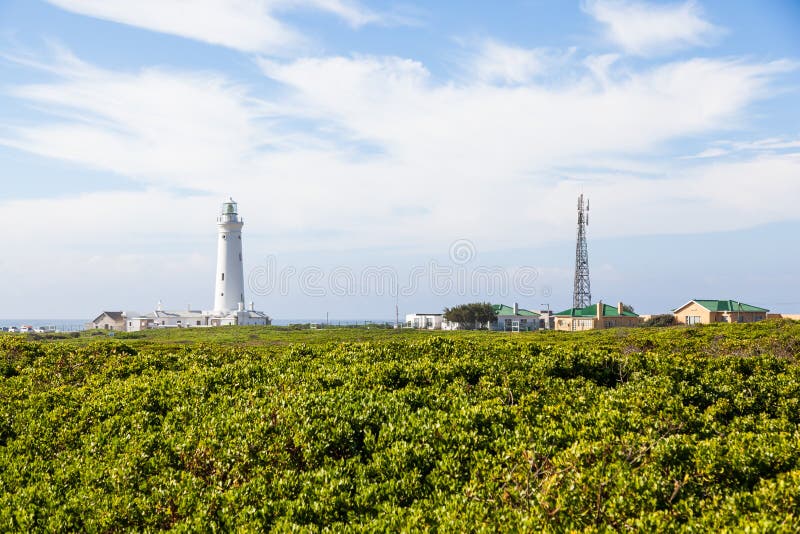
{"type": "Point", "coordinates": [60, 325]}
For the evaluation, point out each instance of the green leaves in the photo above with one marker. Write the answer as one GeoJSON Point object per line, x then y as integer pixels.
{"type": "Point", "coordinates": [651, 430]}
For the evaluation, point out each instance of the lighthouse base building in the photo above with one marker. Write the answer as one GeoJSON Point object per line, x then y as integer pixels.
{"type": "Point", "coordinates": [229, 303]}
{"type": "Point", "coordinates": [161, 318]}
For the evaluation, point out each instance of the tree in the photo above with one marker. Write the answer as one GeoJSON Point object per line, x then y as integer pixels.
{"type": "Point", "coordinates": [471, 316]}
{"type": "Point", "coordinates": [628, 308]}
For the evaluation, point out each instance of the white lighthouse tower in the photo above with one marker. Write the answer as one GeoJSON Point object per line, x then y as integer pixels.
{"type": "Point", "coordinates": [229, 296]}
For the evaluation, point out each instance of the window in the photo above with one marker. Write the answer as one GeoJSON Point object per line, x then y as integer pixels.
{"type": "Point", "coordinates": [692, 319]}
{"type": "Point", "coordinates": [223, 277]}
{"type": "Point", "coordinates": [222, 294]}
{"type": "Point", "coordinates": [224, 236]}
{"type": "Point", "coordinates": [240, 256]}
{"type": "Point", "coordinates": [198, 323]}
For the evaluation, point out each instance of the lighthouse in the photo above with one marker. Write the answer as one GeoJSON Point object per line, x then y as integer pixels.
{"type": "Point", "coordinates": [229, 296]}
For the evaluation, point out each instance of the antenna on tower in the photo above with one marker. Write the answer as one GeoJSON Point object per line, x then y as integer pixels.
{"type": "Point", "coordinates": [587, 212]}
{"type": "Point", "coordinates": [582, 293]}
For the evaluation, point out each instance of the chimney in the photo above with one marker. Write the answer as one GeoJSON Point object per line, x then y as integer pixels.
{"type": "Point", "coordinates": [599, 309]}
{"type": "Point", "coordinates": [620, 308]}
{"type": "Point", "coordinates": [241, 306]}
{"type": "Point", "coordinates": [516, 308]}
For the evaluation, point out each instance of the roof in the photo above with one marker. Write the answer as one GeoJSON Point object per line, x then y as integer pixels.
{"type": "Point", "coordinates": [158, 314]}
{"type": "Point", "coordinates": [113, 315]}
{"type": "Point", "coordinates": [724, 306]}
{"type": "Point", "coordinates": [502, 309]}
{"type": "Point", "coordinates": [253, 314]}
{"type": "Point", "coordinates": [591, 311]}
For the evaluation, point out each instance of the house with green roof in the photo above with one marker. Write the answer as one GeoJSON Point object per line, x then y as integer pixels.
{"type": "Point", "coordinates": [596, 317]}
{"type": "Point", "coordinates": [513, 318]}
{"type": "Point", "coordinates": [706, 311]}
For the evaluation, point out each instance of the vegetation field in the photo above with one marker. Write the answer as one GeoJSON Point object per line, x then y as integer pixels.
{"type": "Point", "coordinates": [253, 429]}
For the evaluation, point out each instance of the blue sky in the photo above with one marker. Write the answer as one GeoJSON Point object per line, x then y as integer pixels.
{"type": "Point", "coordinates": [367, 137]}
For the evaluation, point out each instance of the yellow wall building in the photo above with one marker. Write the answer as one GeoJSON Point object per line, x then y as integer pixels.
{"type": "Point", "coordinates": [702, 311]}
{"type": "Point", "coordinates": [595, 317]}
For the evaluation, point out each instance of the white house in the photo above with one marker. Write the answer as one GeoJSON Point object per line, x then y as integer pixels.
{"type": "Point", "coordinates": [426, 321]}
{"type": "Point", "coordinates": [161, 318]}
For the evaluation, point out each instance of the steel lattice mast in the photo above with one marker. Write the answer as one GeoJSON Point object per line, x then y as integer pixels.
{"type": "Point", "coordinates": [582, 291]}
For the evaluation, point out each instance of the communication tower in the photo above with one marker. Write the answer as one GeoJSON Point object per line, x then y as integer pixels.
{"type": "Point", "coordinates": [582, 291]}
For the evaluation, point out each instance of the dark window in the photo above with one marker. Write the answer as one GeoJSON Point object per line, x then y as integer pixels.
{"type": "Point", "coordinates": [223, 277]}
{"type": "Point", "coordinates": [222, 294]}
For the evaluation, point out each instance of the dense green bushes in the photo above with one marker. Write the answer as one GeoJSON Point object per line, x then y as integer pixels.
{"type": "Point", "coordinates": [692, 429]}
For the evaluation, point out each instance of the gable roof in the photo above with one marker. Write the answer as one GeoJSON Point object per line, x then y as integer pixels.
{"type": "Point", "coordinates": [113, 315]}
{"type": "Point", "coordinates": [724, 306]}
{"type": "Point", "coordinates": [502, 309]}
{"type": "Point", "coordinates": [591, 311]}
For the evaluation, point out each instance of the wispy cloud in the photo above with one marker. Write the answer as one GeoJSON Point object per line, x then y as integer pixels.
{"type": "Point", "coordinates": [644, 28]}
{"type": "Point", "coordinates": [770, 145]}
{"type": "Point", "coordinates": [154, 125]}
{"type": "Point", "coordinates": [246, 25]}
{"type": "Point", "coordinates": [449, 149]}
{"type": "Point", "coordinates": [496, 62]}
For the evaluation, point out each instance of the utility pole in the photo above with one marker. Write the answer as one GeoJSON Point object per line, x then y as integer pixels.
{"type": "Point", "coordinates": [396, 311]}
{"type": "Point", "coordinates": [582, 292]}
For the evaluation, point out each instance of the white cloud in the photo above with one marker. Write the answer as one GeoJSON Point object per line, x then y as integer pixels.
{"type": "Point", "coordinates": [724, 148]}
{"type": "Point", "coordinates": [394, 102]}
{"type": "Point", "coordinates": [710, 153]}
{"type": "Point", "coordinates": [246, 25]}
{"type": "Point", "coordinates": [498, 62]}
{"type": "Point", "coordinates": [186, 128]}
{"type": "Point", "coordinates": [643, 28]}
{"type": "Point", "coordinates": [451, 152]}
{"type": "Point", "coordinates": [355, 14]}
